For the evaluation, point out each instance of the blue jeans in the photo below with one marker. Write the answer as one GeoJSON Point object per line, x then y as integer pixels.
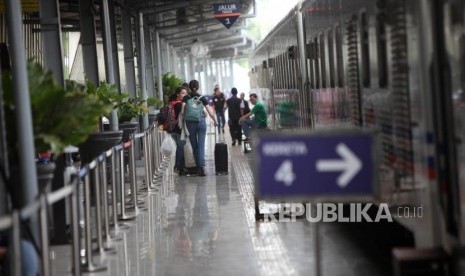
{"type": "Point", "coordinates": [29, 261]}
{"type": "Point", "coordinates": [248, 125]}
{"type": "Point", "coordinates": [197, 135]}
{"type": "Point", "coordinates": [179, 163]}
{"type": "Point", "coordinates": [221, 120]}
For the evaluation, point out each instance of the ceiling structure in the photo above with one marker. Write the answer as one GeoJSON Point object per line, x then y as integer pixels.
{"type": "Point", "coordinates": [180, 23]}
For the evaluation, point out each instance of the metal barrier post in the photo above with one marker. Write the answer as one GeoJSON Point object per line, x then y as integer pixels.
{"type": "Point", "coordinates": [98, 206]}
{"type": "Point", "coordinates": [124, 215]}
{"type": "Point", "coordinates": [158, 176]}
{"type": "Point", "coordinates": [89, 265]}
{"type": "Point", "coordinates": [148, 161]}
{"type": "Point", "coordinates": [155, 159]}
{"type": "Point", "coordinates": [155, 151]}
{"type": "Point", "coordinates": [15, 246]}
{"type": "Point", "coordinates": [43, 223]}
{"type": "Point", "coordinates": [132, 175]}
{"type": "Point", "coordinates": [114, 202]}
{"type": "Point", "coordinates": [106, 220]}
{"type": "Point", "coordinates": [73, 206]}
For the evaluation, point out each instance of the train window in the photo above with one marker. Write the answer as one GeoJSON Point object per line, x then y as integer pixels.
{"type": "Point", "coordinates": [310, 58]}
{"type": "Point", "coordinates": [382, 49]}
{"type": "Point", "coordinates": [322, 61]}
{"type": "Point", "coordinates": [316, 65]}
{"type": "Point", "coordinates": [462, 64]}
{"type": "Point", "coordinates": [365, 50]}
{"type": "Point", "coordinates": [331, 57]}
{"type": "Point", "coordinates": [339, 67]}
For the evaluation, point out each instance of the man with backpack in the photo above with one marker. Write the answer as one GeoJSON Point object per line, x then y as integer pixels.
{"type": "Point", "coordinates": [192, 112]}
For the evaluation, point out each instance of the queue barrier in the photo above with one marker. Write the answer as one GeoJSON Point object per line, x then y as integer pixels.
{"type": "Point", "coordinates": [95, 210]}
{"type": "Point", "coordinates": [40, 207]}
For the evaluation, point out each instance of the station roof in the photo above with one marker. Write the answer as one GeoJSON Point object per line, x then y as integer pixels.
{"type": "Point", "coordinates": [180, 23]}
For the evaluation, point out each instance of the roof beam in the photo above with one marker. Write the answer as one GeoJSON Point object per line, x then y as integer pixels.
{"type": "Point", "coordinates": [221, 30]}
{"type": "Point", "coordinates": [164, 7]}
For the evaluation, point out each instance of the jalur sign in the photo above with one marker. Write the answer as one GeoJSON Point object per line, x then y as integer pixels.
{"type": "Point", "coordinates": [227, 13]}
{"type": "Point", "coordinates": [315, 165]}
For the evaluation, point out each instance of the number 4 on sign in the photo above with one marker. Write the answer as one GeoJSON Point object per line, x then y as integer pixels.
{"type": "Point", "coordinates": [285, 173]}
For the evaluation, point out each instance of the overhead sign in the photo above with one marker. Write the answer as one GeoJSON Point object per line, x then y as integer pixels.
{"type": "Point", "coordinates": [315, 165]}
{"type": "Point", "coordinates": [227, 13]}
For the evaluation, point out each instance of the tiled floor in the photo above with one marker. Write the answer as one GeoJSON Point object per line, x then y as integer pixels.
{"type": "Point", "coordinates": [206, 226]}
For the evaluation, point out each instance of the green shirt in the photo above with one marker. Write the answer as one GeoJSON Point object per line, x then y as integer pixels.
{"type": "Point", "coordinates": [259, 111]}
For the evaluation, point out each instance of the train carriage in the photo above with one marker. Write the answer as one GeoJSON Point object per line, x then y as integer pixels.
{"type": "Point", "coordinates": [392, 66]}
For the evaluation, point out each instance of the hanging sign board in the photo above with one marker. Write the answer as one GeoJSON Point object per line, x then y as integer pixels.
{"type": "Point", "coordinates": [227, 13]}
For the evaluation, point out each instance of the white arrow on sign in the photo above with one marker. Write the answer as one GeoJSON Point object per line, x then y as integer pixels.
{"type": "Point", "coordinates": [350, 165]}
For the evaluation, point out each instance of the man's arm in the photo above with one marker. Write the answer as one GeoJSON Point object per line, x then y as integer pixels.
{"type": "Point", "coordinates": [245, 116]}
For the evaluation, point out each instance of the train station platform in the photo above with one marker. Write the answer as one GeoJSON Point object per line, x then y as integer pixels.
{"type": "Point", "coordinates": [206, 226]}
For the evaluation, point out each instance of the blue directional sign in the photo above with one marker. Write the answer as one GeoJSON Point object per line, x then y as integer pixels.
{"type": "Point", "coordinates": [227, 13]}
{"type": "Point", "coordinates": [315, 165]}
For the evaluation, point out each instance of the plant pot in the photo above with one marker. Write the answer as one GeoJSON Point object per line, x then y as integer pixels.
{"type": "Point", "coordinates": [128, 129]}
{"type": "Point", "coordinates": [45, 173]}
{"type": "Point", "coordinates": [97, 143]}
{"type": "Point", "coordinates": [153, 117]}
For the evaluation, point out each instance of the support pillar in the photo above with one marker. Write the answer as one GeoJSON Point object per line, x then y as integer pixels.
{"type": "Point", "coordinates": [142, 64]}
{"type": "Point", "coordinates": [149, 63]}
{"type": "Point", "coordinates": [231, 73]}
{"type": "Point", "coordinates": [191, 67]}
{"type": "Point", "coordinates": [182, 60]}
{"type": "Point", "coordinates": [27, 189]}
{"type": "Point", "coordinates": [88, 41]}
{"type": "Point", "coordinates": [159, 66]}
{"type": "Point", "coordinates": [108, 53]}
{"type": "Point", "coordinates": [114, 44]}
{"type": "Point", "coordinates": [51, 38]}
{"type": "Point", "coordinates": [129, 55]}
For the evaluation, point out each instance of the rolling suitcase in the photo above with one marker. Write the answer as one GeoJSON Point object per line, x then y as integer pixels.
{"type": "Point", "coordinates": [221, 158]}
{"type": "Point", "coordinates": [221, 154]}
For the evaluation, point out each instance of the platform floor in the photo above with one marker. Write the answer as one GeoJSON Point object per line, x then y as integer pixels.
{"type": "Point", "coordinates": [206, 226]}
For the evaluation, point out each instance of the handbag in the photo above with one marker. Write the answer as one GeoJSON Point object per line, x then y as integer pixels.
{"type": "Point", "coordinates": [168, 146]}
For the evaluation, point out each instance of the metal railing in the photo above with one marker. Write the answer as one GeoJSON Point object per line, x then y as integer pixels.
{"type": "Point", "coordinates": [95, 209]}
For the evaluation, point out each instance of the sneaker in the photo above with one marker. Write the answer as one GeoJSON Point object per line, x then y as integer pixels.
{"type": "Point", "coordinates": [223, 130]}
{"type": "Point", "coordinates": [234, 143]}
{"type": "Point", "coordinates": [182, 172]}
{"type": "Point", "coordinates": [202, 172]}
{"type": "Point", "coordinates": [240, 143]}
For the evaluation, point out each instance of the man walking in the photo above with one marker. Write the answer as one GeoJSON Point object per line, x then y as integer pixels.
{"type": "Point", "coordinates": [219, 101]}
{"type": "Point", "coordinates": [234, 112]}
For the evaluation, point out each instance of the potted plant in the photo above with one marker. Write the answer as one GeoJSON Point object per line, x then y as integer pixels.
{"type": "Point", "coordinates": [101, 141]}
{"type": "Point", "coordinates": [156, 104]}
{"type": "Point", "coordinates": [61, 117]}
{"type": "Point", "coordinates": [169, 82]}
{"type": "Point", "coordinates": [129, 109]}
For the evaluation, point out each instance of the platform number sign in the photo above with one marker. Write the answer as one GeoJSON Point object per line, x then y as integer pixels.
{"type": "Point", "coordinates": [315, 165]}
{"type": "Point", "coordinates": [284, 173]}
{"type": "Point", "coordinates": [227, 13]}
